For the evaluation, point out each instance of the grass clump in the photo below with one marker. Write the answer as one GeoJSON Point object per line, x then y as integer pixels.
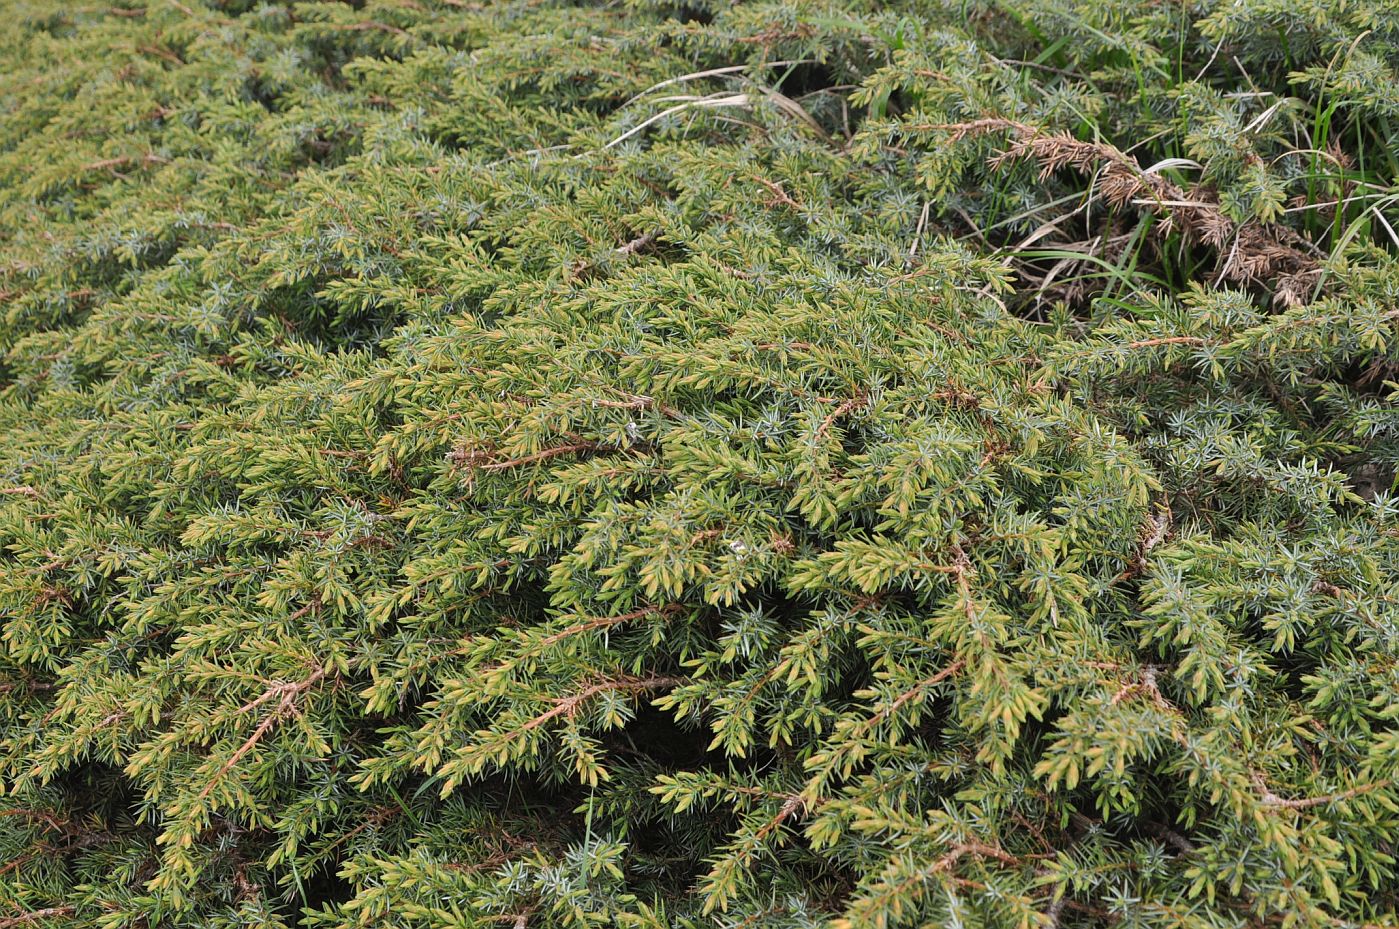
{"type": "Point", "coordinates": [667, 465]}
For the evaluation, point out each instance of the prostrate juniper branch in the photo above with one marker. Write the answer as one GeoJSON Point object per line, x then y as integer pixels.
{"type": "Point", "coordinates": [773, 464]}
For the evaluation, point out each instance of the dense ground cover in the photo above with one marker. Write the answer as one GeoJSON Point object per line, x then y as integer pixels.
{"type": "Point", "coordinates": [642, 464]}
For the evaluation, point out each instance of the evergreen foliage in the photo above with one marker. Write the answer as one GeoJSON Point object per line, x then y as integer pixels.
{"type": "Point", "coordinates": [644, 464]}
